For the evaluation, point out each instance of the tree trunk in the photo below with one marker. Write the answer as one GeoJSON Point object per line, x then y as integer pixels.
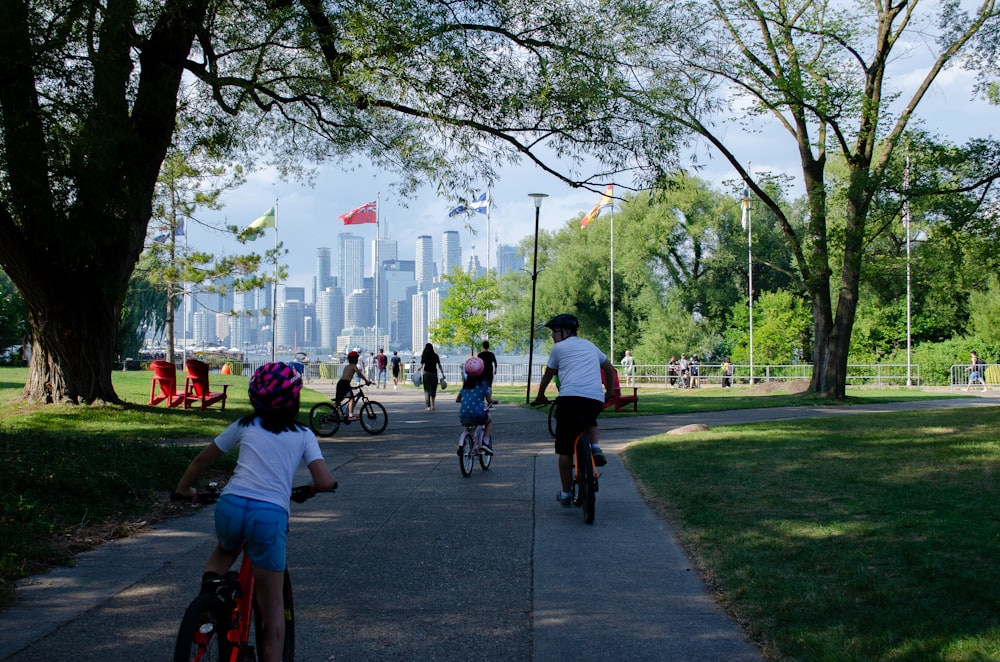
{"type": "Point", "coordinates": [71, 230]}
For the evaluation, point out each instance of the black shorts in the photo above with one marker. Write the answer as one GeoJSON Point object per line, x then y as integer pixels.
{"type": "Point", "coordinates": [574, 415]}
{"type": "Point", "coordinates": [343, 390]}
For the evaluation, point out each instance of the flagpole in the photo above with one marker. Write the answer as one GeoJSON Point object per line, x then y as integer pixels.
{"type": "Point", "coordinates": [612, 281]}
{"type": "Point", "coordinates": [274, 297]}
{"type": "Point", "coordinates": [906, 222]}
{"type": "Point", "coordinates": [184, 300]}
{"type": "Point", "coordinates": [750, 269]}
{"type": "Point", "coordinates": [375, 270]}
{"type": "Point", "coordinates": [489, 245]}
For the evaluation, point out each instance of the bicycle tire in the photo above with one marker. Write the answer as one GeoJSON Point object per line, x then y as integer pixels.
{"type": "Point", "coordinates": [552, 419]}
{"type": "Point", "coordinates": [324, 419]}
{"type": "Point", "coordinates": [485, 459]}
{"type": "Point", "coordinates": [588, 496]}
{"type": "Point", "coordinates": [200, 636]}
{"type": "Point", "coordinates": [466, 461]}
{"type": "Point", "coordinates": [374, 418]}
{"type": "Point", "coordinates": [288, 650]}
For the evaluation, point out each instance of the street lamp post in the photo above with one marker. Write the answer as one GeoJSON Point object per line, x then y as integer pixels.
{"type": "Point", "coordinates": [537, 197]}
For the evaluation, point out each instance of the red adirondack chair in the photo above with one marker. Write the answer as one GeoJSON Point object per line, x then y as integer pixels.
{"type": "Point", "coordinates": [621, 401]}
{"type": "Point", "coordinates": [163, 386]}
{"type": "Point", "coordinates": [196, 387]}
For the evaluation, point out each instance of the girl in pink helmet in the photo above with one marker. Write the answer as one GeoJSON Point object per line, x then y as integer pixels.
{"type": "Point", "coordinates": [474, 395]}
{"type": "Point", "coordinates": [252, 512]}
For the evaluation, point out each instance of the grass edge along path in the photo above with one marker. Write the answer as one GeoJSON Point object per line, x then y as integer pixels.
{"type": "Point", "coordinates": [869, 537]}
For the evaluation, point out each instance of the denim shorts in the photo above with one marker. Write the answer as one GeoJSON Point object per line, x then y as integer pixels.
{"type": "Point", "coordinates": [259, 526]}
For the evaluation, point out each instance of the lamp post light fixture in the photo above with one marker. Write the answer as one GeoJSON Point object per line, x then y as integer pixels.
{"type": "Point", "coordinates": [537, 197]}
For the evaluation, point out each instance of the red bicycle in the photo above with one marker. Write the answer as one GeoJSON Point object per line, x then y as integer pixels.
{"type": "Point", "coordinates": [223, 623]}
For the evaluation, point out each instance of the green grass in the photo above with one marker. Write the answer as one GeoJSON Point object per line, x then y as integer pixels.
{"type": "Point", "coordinates": [658, 401]}
{"type": "Point", "coordinates": [849, 538]}
{"type": "Point", "coordinates": [69, 468]}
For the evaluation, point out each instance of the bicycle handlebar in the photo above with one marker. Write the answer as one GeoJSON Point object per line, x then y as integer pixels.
{"type": "Point", "coordinates": [300, 494]}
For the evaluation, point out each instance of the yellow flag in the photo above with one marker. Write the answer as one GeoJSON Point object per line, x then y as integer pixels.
{"type": "Point", "coordinates": [596, 211]}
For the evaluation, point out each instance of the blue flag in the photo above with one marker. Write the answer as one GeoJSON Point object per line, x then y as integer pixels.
{"type": "Point", "coordinates": [479, 204]}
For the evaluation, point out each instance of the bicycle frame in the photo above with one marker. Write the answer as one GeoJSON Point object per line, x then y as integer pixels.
{"type": "Point", "coordinates": [239, 634]}
{"type": "Point", "coordinates": [584, 487]}
{"type": "Point", "coordinates": [477, 432]}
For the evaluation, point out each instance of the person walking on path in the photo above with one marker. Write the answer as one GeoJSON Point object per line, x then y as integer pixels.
{"type": "Point", "coordinates": [579, 364]}
{"type": "Point", "coordinates": [489, 363]}
{"type": "Point", "coordinates": [977, 372]}
{"type": "Point", "coordinates": [397, 365]}
{"type": "Point", "coordinates": [381, 362]}
{"type": "Point", "coordinates": [430, 365]}
{"type": "Point", "coordinates": [628, 367]}
{"type": "Point", "coordinates": [252, 512]}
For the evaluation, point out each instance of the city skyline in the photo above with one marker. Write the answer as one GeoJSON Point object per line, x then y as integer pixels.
{"type": "Point", "coordinates": [338, 317]}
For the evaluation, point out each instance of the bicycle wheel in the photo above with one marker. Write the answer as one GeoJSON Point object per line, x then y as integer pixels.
{"type": "Point", "coordinates": [466, 461]}
{"type": "Point", "coordinates": [324, 419]}
{"type": "Point", "coordinates": [486, 458]}
{"type": "Point", "coordinates": [552, 418]}
{"type": "Point", "coordinates": [288, 650]}
{"type": "Point", "coordinates": [201, 635]}
{"type": "Point", "coordinates": [588, 497]}
{"type": "Point", "coordinates": [374, 417]}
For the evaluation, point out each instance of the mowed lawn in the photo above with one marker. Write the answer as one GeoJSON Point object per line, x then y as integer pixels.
{"type": "Point", "coordinates": [869, 537]}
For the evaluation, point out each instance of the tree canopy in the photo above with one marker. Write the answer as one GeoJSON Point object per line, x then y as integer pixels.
{"type": "Point", "coordinates": [820, 70]}
{"type": "Point", "coordinates": [96, 93]}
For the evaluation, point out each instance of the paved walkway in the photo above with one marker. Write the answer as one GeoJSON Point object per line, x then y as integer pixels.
{"type": "Point", "coordinates": [411, 561]}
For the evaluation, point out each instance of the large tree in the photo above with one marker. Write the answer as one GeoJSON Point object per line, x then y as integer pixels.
{"type": "Point", "coordinates": [818, 69]}
{"type": "Point", "coordinates": [93, 92]}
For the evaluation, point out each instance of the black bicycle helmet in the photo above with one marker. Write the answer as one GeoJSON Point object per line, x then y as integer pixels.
{"type": "Point", "coordinates": [563, 321]}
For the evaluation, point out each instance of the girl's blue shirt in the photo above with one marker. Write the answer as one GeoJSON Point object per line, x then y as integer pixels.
{"type": "Point", "coordinates": [474, 402]}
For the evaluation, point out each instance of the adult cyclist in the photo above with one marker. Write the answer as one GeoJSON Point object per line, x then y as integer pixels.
{"type": "Point", "coordinates": [579, 364]}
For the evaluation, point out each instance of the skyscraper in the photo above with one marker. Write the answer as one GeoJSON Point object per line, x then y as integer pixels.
{"type": "Point", "coordinates": [351, 262]}
{"type": "Point", "coordinates": [508, 260]}
{"type": "Point", "coordinates": [324, 276]}
{"type": "Point", "coordinates": [451, 252]}
{"type": "Point", "coordinates": [425, 263]}
{"type": "Point", "coordinates": [387, 249]}
{"type": "Point", "coordinates": [329, 317]}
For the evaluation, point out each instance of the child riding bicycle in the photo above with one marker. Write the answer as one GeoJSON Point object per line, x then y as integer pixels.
{"type": "Point", "coordinates": [578, 363]}
{"type": "Point", "coordinates": [344, 383]}
{"type": "Point", "coordinates": [252, 512]}
{"type": "Point", "coordinates": [474, 396]}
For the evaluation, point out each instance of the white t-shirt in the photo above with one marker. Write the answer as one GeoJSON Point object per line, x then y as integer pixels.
{"type": "Point", "coordinates": [578, 363]}
{"type": "Point", "coordinates": [267, 461]}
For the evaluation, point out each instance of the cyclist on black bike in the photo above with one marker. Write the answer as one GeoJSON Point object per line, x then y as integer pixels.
{"type": "Point", "coordinates": [344, 383]}
{"type": "Point", "coordinates": [578, 363]}
{"type": "Point", "coordinates": [252, 512]}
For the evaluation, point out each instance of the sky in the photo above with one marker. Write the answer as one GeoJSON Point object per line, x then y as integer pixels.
{"type": "Point", "coordinates": [307, 216]}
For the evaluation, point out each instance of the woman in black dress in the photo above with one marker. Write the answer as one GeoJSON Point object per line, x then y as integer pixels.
{"type": "Point", "coordinates": [430, 364]}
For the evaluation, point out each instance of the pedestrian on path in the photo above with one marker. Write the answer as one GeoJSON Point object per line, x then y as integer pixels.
{"type": "Point", "coordinates": [430, 365]}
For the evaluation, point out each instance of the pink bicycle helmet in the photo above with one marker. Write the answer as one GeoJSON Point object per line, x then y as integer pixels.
{"type": "Point", "coordinates": [275, 386]}
{"type": "Point", "coordinates": [474, 367]}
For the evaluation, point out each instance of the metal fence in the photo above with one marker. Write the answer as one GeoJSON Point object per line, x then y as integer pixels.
{"type": "Point", "coordinates": [963, 377]}
{"type": "Point", "coordinates": [646, 375]}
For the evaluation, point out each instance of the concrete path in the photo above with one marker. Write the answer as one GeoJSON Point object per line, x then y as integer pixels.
{"type": "Point", "coordinates": [411, 561]}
